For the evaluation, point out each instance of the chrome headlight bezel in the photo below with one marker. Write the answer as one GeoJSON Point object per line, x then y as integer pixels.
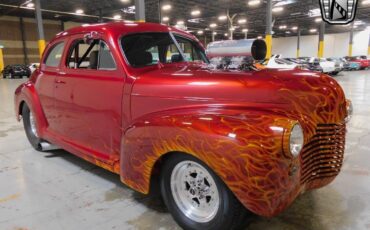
{"type": "Point", "coordinates": [294, 140]}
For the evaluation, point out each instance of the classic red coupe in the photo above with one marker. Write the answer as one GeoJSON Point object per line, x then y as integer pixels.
{"type": "Point", "coordinates": [138, 99]}
{"type": "Point", "coordinates": [362, 60]}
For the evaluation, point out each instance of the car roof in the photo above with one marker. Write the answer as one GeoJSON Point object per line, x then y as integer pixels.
{"type": "Point", "coordinates": [123, 28]}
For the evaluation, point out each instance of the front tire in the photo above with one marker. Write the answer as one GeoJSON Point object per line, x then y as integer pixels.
{"type": "Point", "coordinates": [197, 198]}
{"type": "Point", "coordinates": [29, 123]}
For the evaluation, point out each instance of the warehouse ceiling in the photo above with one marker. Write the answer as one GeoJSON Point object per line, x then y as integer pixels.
{"type": "Point", "coordinates": [294, 13]}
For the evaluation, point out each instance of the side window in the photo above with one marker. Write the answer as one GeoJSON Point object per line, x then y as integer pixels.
{"type": "Point", "coordinates": [54, 56]}
{"type": "Point", "coordinates": [94, 55]}
{"type": "Point", "coordinates": [191, 51]}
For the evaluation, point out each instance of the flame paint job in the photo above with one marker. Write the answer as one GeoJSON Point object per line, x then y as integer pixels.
{"type": "Point", "coordinates": [238, 123]}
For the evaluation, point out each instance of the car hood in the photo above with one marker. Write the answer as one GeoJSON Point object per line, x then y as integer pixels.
{"type": "Point", "coordinates": [302, 92]}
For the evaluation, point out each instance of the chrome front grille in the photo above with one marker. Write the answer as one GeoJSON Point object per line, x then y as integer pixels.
{"type": "Point", "coordinates": [322, 156]}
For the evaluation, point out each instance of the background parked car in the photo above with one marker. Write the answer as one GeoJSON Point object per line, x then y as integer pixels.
{"type": "Point", "coordinates": [313, 66]}
{"type": "Point", "coordinates": [33, 66]}
{"type": "Point", "coordinates": [277, 62]}
{"type": "Point", "coordinates": [364, 63]}
{"type": "Point", "coordinates": [18, 70]}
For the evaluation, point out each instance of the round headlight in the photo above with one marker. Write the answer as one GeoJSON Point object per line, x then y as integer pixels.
{"type": "Point", "coordinates": [296, 140]}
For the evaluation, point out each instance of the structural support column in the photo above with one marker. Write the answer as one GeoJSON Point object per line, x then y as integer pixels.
{"type": "Point", "coordinates": [213, 36]}
{"type": "Point", "coordinates": [246, 35]}
{"type": "Point", "coordinates": [1, 58]}
{"type": "Point", "coordinates": [350, 47]}
{"type": "Point", "coordinates": [368, 50]}
{"type": "Point", "coordinates": [140, 10]}
{"type": "Point", "coordinates": [23, 37]}
{"type": "Point", "coordinates": [320, 53]}
{"type": "Point", "coordinates": [269, 28]}
{"type": "Point", "coordinates": [40, 27]}
{"type": "Point", "coordinates": [298, 42]}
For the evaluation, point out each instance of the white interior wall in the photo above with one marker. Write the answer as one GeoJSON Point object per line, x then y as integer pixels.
{"type": "Point", "coordinates": [336, 45]}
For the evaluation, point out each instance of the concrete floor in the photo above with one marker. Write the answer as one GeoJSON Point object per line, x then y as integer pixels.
{"type": "Point", "coordinates": [57, 190]}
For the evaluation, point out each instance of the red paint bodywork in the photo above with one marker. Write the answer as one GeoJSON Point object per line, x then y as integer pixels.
{"type": "Point", "coordinates": [236, 122]}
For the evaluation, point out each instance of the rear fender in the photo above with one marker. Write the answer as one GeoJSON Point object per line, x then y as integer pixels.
{"type": "Point", "coordinates": [26, 93]}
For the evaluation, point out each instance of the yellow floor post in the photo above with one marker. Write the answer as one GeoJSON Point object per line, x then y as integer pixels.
{"type": "Point", "coordinates": [321, 49]}
{"type": "Point", "coordinates": [1, 59]}
{"type": "Point", "coordinates": [350, 50]}
{"type": "Point", "coordinates": [41, 47]}
{"type": "Point", "coordinates": [368, 51]}
{"type": "Point", "coordinates": [269, 45]}
{"type": "Point", "coordinates": [297, 53]}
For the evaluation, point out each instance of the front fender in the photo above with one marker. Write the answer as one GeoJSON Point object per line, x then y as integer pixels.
{"type": "Point", "coordinates": [244, 148]}
{"type": "Point", "coordinates": [26, 93]}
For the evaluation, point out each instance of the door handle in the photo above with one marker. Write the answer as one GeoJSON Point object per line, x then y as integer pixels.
{"type": "Point", "coordinates": [59, 82]}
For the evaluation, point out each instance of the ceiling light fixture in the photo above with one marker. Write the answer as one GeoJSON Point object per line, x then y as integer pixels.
{"type": "Point", "coordinates": [195, 12]}
{"type": "Point", "coordinates": [318, 20]}
{"type": "Point", "coordinates": [295, 28]}
{"type": "Point", "coordinates": [244, 30]}
{"type": "Point", "coordinates": [166, 7]}
{"type": "Point", "coordinates": [254, 2]}
{"type": "Point", "coordinates": [215, 33]}
{"type": "Point", "coordinates": [313, 30]}
{"type": "Point", "coordinates": [30, 5]}
{"type": "Point", "coordinates": [222, 17]}
{"type": "Point", "coordinates": [226, 34]}
{"type": "Point", "coordinates": [213, 25]}
{"type": "Point", "coordinates": [79, 11]}
{"type": "Point", "coordinates": [180, 23]}
{"type": "Point", "coordinates": [366, 2]}
{"type": "Point", "coordinates": [277, 9]}
{"type": "Point", "coordinates": [165, 19]}
{"type": "Point", "coordinates": [200, 32]}
{"type": "Point", "coordinates": [242, 21]}
{"type": "Point", "coordinates": [117, 17]}
{"type": "Point", "coordinates": [125, 1]}
{"type": "Point", "coordinates": [282, 27]}
{"type": "Point", "coordinates": [259, 37]}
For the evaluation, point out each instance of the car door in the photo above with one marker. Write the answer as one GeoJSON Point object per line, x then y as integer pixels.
{"type": "Point", "coordinates": [88, 97]}
{"type": "Point", "coordinates": [45, 84]}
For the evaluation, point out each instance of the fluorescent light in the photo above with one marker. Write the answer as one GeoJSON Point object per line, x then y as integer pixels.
{"type": "Point", "coordinates": [195, 12]}
{"type": "Point", "coordinates": [79, 11]}
{"type": "Point", "coordinates": [259, 37]}
{"type": "Point", "coordinates": [318, 20]}
{"type": "Point", "coordinates": [30, 5]}
{"type": "Point", "coordinates": [125, 1]}
{"type": "Point", "coordinates": [180, 23]}
{"type": "Point", "coordinates": [277, 9]}
{"type": "Point", "coordinates": [295, 28]}
{"type": "Point", "coordinates": [226, 34]}
{"type": "Point", "coordinates": [366, 2]}
{"type": "Point", "coordinates": [117, 17]}
{"type": "Point", "coordinates": [166, 7]}
{"type": "Point", "coordinates": [200, 32]}
{"type": "Point", "coordinates": [313, 30]}
{"type": "Point", "coordinates": [232, 29]}
{"type": "Point", "coordinates": [165, 19]}
{"type": "Point", "coordinates": [222, 18]}
{"type": "Point", "coordinates": [242, 21]}
{"type": "Point", "coordinates": [215, 33]}
{"type": "Point", "coordinates": [213, 25]}
{"type": "Point", "coordinates": [254, 2]}
{"type": "Point", "coordinates": [288, 32]}
{"type": "Point", "coordinates": [244, 30]}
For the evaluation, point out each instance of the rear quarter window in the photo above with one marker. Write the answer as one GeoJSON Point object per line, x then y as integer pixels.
{"type": "Point", "coordinates": [54, 55]}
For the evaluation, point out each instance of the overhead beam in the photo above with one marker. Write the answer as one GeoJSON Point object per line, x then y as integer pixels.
{"type": "Point", "coordinates": [40, 27]}
{"type": "Point", "coordinates": [269, 28]}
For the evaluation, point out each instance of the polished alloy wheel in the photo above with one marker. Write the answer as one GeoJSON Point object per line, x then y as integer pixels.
{"type": "Point", "coordinates": [33, 124]}
{"type": "Point", "coordinates": [194, 191]}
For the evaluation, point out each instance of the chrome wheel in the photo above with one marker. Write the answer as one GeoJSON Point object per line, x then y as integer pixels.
{"type": "Point", "coordinates": [33, 124]}
{"type": "Point", "coordinates": [194, 191]}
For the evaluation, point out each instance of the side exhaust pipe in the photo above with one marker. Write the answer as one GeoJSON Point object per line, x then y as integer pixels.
{"type": "Point", "coordinates": [46, 146]}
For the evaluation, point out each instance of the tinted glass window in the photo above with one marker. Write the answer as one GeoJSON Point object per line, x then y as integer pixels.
{"type": "Point", "coordinates": [93, 55]}
{"type": "Point", "coordinates": [54, 55]}
{"type": "Point", "coordinates": [150, 48]}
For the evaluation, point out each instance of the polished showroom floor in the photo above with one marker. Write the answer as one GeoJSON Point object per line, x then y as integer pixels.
{"type": "Point", "coordinates": [57, 190]}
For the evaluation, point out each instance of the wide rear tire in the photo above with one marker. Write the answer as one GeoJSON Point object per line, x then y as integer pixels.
{"type": "Point", "coordinates": [197, 198]}
{"type": "Point", "coordinates": [29, 123]}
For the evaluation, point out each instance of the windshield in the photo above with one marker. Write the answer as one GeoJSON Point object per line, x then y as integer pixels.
{"type": "Point", "coordinates": [145, 49]}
